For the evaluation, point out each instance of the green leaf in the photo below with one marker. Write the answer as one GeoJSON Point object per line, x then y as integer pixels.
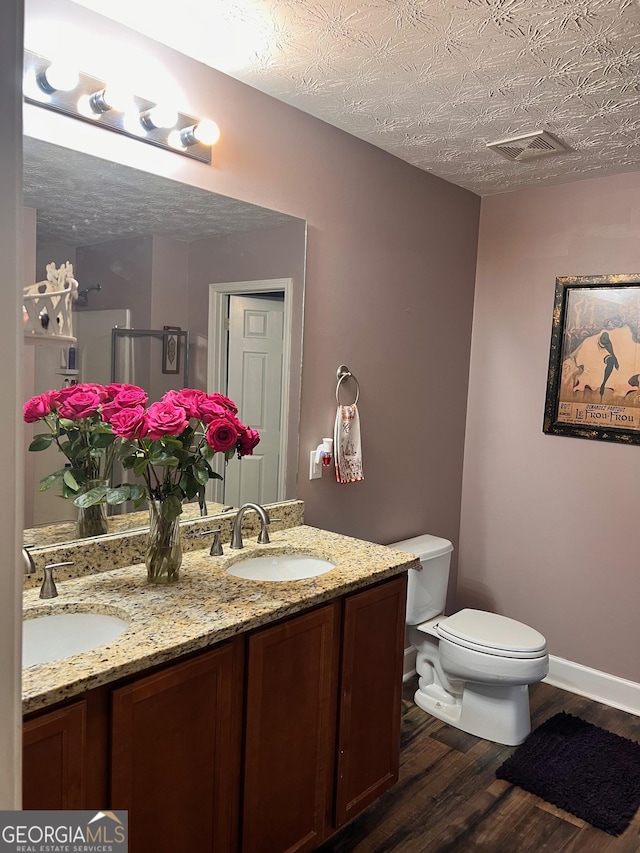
{"type": "Point", "coordinates": [208, 452]}
{"type": "Point", "coordinates": [50, 480]}
{"type": "Point", "coordinates": [170, 440]}
{"type": "Point", "coordinates": [188, 485]}
{"type": "Point", "coordinates": [201, 474]}
{"type": "Point", "coordinates": [140, 465]}
{"type": "Point", "coordinates": [164, 460]}
{"type": "Point", "coordinates": [70, 480]}
{"type": "Point", "coordinates": [138, 492]}
{"type": "Point", "coordinates": [92, 497]}
{"type": "Point", "coordinates": [41, 442]}
{"type": "Point", "coordinates": [102, 439]}
{"type": "Point", "coordinates": [119, 495]}
{"type": "Point", "coordinates": [171, 507]}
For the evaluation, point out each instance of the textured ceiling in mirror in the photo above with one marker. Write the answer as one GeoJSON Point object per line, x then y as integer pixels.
{"type": "Point", "coordinates": [433, 81]}
{"type": "Point", "coordinates": [83, 200]}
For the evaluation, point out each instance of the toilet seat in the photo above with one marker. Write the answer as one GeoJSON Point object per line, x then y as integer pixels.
{"type": "Point", "coordinates": [492, 634]}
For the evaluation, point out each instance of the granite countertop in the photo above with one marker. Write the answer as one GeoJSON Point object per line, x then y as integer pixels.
{"type": "Point", "coordinates": [206, 606]}
{"type": "Point", "coordinates": [65, 531]}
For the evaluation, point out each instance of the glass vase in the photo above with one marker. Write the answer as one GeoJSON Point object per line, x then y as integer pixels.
{"type": "Point", "coordinates": [164, 549]}
{"type": "Point", "coordinates": [92, 520]}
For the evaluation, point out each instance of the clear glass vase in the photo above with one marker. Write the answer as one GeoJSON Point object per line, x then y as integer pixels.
{"type": "Point", "coordinates": [164, 549]}
{"type": "Point", "coordinates": [92, 520]}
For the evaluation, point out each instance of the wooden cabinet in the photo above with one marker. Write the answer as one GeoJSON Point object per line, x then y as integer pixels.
{"type": "Point", "coordinates": [175, 755]}
{"type": "Point", "coordinates": [298, 786]}
{"type": "Point", "coordinates": [370, 696]}
{"type": "Point", "coordinates": [316, 696]}
{"type": "Point", "coordinates": [54, 773]}
{"type": "Point", "coordinates": [290, 732]}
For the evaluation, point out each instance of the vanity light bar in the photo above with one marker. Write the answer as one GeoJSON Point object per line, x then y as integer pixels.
{"type": "Point", "coordinates": [90, 100]}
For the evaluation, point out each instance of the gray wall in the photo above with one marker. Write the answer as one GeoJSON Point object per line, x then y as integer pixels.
{"type": "Point", "coordinates": [549, 523]}
{"type": "Point", "coordinates": [389, 284]}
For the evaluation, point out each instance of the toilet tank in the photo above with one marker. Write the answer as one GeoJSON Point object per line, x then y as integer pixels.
{"type": "Point", "coordinates": [426, 590]}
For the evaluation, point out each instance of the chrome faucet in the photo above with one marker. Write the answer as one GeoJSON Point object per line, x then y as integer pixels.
{"type": "Point", "coordinates": [236, 535]}
{"type": "Point", "coordinates": [29, 565]}
{"type": "Point", "coordinates": [48, 588]}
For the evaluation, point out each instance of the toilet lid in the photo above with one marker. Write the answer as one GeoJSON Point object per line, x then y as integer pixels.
{"type": "Point", "coordinates": [492, 634]}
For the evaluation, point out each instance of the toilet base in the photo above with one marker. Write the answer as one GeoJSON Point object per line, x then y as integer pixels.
{"type": "Point", "coordinates": [498, 714]}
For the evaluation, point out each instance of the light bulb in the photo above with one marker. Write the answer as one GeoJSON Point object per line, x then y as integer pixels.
{"type": "Point", "coordinates": [111, 98]}
{"type": "Point", "coordinates": [58, 77]}
{"type": "Point", "coordinates": [32, 88]}
{"type": "Point", "coordinates": [206, 132]}
{"type": "Point", "coordinates": [160, 116]}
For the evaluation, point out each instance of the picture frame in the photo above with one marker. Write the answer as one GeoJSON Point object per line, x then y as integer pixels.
{"type": "Point", "coordinates": [171, 349]}
{"type": "Point", "coordinates": [593, 384]}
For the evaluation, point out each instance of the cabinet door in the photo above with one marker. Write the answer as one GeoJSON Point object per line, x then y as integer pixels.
{"type": "Point", "coordinates": [176, 754]}
{"type": "Point", "coordinates": [290, 733]}
{"type": "Point", "coordinates": [53, 759]}
{"type": "Point", "coordinates": [370, 696]}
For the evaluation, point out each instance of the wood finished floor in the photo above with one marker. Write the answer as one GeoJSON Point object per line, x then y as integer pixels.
{"type": "Point", "coordinates": [448, 800]}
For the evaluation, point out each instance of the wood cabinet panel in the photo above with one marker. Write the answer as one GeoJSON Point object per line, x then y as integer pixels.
{"type": "Point", "coordinates": [370, 696]}
{"type": "Point", "coordinates": [290, 733]}
{"type": "Point", "coordinates": [54, 759]}
{"type": "Point", "coordinates": [176, 754]}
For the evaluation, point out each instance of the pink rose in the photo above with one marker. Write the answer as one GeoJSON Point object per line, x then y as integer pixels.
{"type": "Point", "coordinates": [114, 388]}
{"type": "Point", "coordinates": [38, 407]}
{"type": "Point", "coordinates": [129, 423]}
{"type": "Point", "coordinates": [224, 401]}
{"type": "Point", "coordinates": [188, 398]}
{"type": "Point", "coordinates": [91, 388]}
{"type": "Point", "coordinates": [129, 397]}
{"type": "Point", "coordinates": [248, 440]}
{"type": "Point", "coordinates": [221, 434]}
{"type": "Point", "coordinates": [79, 405]}
{"type": "Point", "coordinates": [208, 409]}
{"type": "Point", "coordinates": [166, 418]}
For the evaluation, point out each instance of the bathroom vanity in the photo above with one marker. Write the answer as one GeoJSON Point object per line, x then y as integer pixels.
{"type": "Point", "coordinates": [231, 714]}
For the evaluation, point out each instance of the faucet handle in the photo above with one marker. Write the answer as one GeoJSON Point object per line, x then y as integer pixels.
{"type": "Point", "coordinates": [48, 588]}
{"type": "Point", "coordinates": [216, 546]}
{"type": "Point", "coordinates": [29, 565]}
{"type": "Point", "coordinates": [263, 536]}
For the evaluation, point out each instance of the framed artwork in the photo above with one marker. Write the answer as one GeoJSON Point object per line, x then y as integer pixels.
{"type": "Point", "coordinates": [171, 350]}
{"type": "Point", "coordinates": [593, 387]}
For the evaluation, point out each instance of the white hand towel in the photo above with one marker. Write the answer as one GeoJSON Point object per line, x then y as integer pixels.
{"type": "Point", "coordinates": [347, 447]}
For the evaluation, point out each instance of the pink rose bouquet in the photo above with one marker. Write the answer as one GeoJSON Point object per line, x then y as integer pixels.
{"type": "Point", "coordinates": [74, 417]}
{"type": "Point", "coordinates": [169, 444]}
{"type": "Point", "coordinates": [172, 442]}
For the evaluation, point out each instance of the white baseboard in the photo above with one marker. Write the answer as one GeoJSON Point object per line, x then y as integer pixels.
{"type": "Point", "coordinates": [575, 678]}
{"type": "Point", "coordinates": [409, 668]}
{"type": "Point", "coordinates": [594, 684]}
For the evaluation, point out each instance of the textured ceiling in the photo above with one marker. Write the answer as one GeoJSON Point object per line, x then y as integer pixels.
{"type": "Point", "coordinates": [83, 200]}
{"type": "Point", "coordinates": [433, 81]}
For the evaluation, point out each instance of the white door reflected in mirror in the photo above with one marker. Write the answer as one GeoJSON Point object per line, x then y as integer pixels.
{"type": "Point", "coordinates": [256, 324]}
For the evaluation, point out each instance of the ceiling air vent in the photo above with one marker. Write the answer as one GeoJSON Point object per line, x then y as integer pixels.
{"type": "Point", "coordinates": [528, 147]}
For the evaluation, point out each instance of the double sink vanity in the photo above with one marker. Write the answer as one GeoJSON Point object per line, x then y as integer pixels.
{"type": "Point", "coordinates": [230, 711]}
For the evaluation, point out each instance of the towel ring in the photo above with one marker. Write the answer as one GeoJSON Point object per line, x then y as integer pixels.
{"type": "Point", "coordinates": [343, 373]}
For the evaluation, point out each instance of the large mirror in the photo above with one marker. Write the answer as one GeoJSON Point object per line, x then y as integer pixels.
{"type": "Point", "coordinates": [150, 253]}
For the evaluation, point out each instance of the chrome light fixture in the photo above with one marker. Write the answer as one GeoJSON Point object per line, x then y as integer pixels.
{"type": "Point", "coordinates": [57, 87]}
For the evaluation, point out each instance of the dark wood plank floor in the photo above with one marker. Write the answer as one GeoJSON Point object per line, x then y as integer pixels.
{"type": "Point", "coordinates": [448, 800]}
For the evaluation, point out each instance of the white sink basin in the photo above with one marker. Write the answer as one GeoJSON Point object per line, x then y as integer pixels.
{"type": "Point", "coordinates": [280, 567]}
{"type": "Point", "coordinates": [53, 637]}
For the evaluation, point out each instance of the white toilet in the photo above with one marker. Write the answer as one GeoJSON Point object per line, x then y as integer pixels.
{"type": "Point", "coordinates": [474, 667]}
